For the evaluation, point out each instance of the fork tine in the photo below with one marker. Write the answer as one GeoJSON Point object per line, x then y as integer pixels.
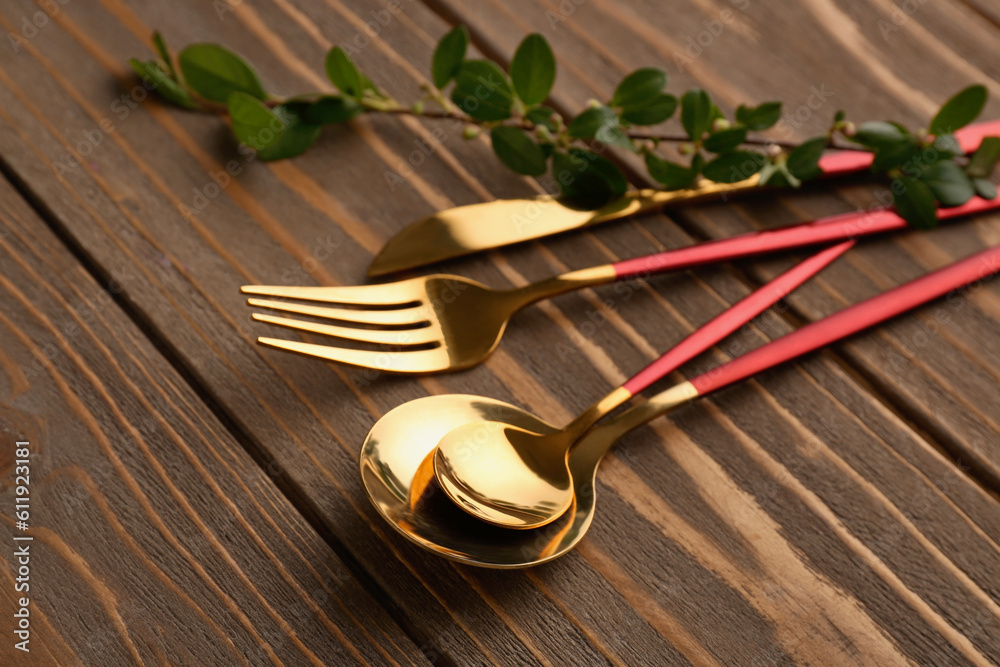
{"type": "Point", "coordinates": [412, 315]}
{"type": "Point", "coordinates": [405, 337]}
{"type": "Point", "coordinates": [416, 361]}
{"type": "Point", "coordinates": [391, 294]}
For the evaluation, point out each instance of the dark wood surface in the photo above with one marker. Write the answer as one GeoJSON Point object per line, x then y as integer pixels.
{"type": "Point", "coordinates": [198, 500]}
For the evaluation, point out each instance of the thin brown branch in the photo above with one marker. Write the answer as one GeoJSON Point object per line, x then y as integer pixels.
{"type": "Point", "coordinates": [524, 124]}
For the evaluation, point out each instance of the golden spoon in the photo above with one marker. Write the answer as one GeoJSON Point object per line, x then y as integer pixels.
{"type": "Point", "coordinates": [396, 454]}
{"type": "Point", "coordinates": [515, 478]}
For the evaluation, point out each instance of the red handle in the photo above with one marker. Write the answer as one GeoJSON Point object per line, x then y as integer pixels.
{"type": "Point", "coordinates": [734, 317]}
{"type": "Point", "coordinates": [824, 230]}
{"type": "Point", "coordinates": [970, 136]}
{"type": "Point", "coordinates": [851, 320]}
{"type": "Point", "coordinates": [843, 162]}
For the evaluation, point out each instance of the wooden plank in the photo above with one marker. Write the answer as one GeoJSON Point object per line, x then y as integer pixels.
{"type": "Point", "coordinates": [797, 518]}
{"type": "Point", "coordinates": [154, 537]}
{"type": "Point", "coordinates": [940, 374]}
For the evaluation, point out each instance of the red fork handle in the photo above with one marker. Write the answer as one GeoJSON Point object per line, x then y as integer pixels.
{"type": "Point", "coordinates": [843, 162]}
{"type": "Point", "coordinates": [825, 230]}
{"type": "Point", "coordinates": [734, 317]}
{"type": "Point", "coordinates": [851, 320]}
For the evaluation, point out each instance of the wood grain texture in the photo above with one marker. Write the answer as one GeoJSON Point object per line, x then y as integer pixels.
{"type": "Point", "coordinates": [797, 518]}
{"type": "Point", "coordinates": [156, 539]}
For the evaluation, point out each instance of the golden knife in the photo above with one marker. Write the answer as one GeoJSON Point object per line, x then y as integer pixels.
{"type": "Point", "coordinates": [464, 230]}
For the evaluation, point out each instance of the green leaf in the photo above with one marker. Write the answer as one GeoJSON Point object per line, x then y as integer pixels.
{"type": "Point", "coordinates": [915, 203]}
{"type": "Point", "coordinates": [985, 188]}
{"type": "Point", "coordinates": [164, 85]}
{"type": "Point", "coordinates": [734, 167]}
{"type": "Point", "coordinates": [776, 174]}
{"type": "Point", "coordinates": [697, 163]}
{"type": "Point", "coordinates": [541, 115]}
{"type": "Point", "coordinates": [878, 134]}
{"type": "Point", "coordinates": [215, 72]}
{"type": "Point", "coordinates": [947, 143]}
{"type": "Point", "coordinates": [518, 151]}
{"type": "Point", "coordinates": [448, 55]}
{"type": "Point", "coordinates": [602, 124]}
{"type": "Point", "coordinates": [760, 117]}
{"type": "Point", "coordinates": [726, 140]}
{"type": "Point", "coordinates": [587, 179]}
{"type": "Point", "coordinates": [482, 91]}
{"type": "Point", "coordinates": [161, 48]}
{"type": "Point", "coordinates": [674, 176]}
{"type": "Point", "coordinates": [639, 87]}
{"type": "Point", "coordinates": [696, 113]}
{"type": "Point", "coordinates": [614, 135]}
{"type": "Point", "coordinates": [895, 155]}
{"type": "Point", "coordinates": [586, 125]}
{"type": "Point", "coordinates": [960, 110]}
{"type": "Point", "coordinates": [983, 161]}
{"type": "Point", "coordinates": [803, 161]}
{"type": "Point", "coordinates": [344, 75]}
{"type": "Point", "coordinates": [327, 110]}
{"type": "Point", "coordinates": [657, 109]}
{"type": "Point", "coordinates": [297, 136]}
{"type": "Point", "coordinates": [948, 182]}
{"type": "Point", "coordinates": [274, 134]}
{"type": "Point", "coordinates": [249, 116]}
{"type": "Point", "coordinates": [533, 69]}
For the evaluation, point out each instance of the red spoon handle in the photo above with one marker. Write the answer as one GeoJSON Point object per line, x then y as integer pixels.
{"type": "Point", "coordinates": [824, 230]}
{"type": "Point", "coordinates": [734, 317]}
{"type": "Point", "coordinates": [851, 320]}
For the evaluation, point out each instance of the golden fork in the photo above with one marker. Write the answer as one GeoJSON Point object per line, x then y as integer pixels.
{"type": "Point", "coordinates": [445, 322]}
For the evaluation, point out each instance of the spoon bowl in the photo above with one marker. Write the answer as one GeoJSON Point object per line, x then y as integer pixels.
{"type": "Point", "coordinates": [395, 461]}
{"type": "Point", "coordinates": [504, 474]}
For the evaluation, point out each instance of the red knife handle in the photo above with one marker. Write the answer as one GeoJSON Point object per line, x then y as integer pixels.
{"type": "Point", "coordinates": [851, 320]}
{"type": "Point", "coordinates": [844, 162]}
{"type": "Point", "coordinates": [734, 317]}
{"type": "Point", "coordinates": [825, 230]}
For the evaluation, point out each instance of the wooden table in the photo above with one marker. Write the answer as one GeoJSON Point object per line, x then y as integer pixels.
{"type": "Point", "coordinates": [195, 498]}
